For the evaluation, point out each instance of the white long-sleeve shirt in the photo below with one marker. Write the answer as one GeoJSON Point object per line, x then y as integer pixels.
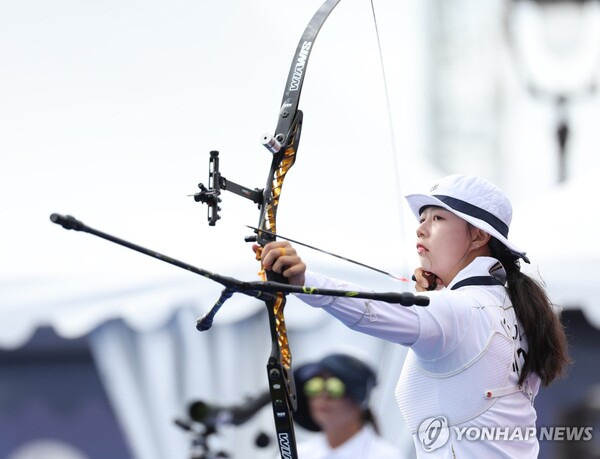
{"type": "Point", "coordinates": [462, 369]}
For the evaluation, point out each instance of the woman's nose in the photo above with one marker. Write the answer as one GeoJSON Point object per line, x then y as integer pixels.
{"type": "Point", "coordinates": [421, 230]}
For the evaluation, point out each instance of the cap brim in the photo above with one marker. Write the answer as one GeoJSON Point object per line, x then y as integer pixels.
{"type": "Point", "coordinates": [418, 201]}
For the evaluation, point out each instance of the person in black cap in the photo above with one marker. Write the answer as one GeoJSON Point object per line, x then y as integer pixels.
{"type": "Point", "coordinates": [333, 397]}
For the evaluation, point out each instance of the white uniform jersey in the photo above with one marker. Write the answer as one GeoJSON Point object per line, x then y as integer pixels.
{"type": "Point", "coordinates": [366, 444]}
{"type": "Point", "coordinates": [458, 390]}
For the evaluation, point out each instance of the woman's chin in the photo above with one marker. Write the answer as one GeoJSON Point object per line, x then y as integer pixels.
{"type": "Point", "coordinates": [425, 265]}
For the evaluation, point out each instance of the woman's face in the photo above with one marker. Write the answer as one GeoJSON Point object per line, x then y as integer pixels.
{"type": "Point", "coordinates": [331, 414]}
{"type": "Point", "coordinates": [444, 243]}
{"type": "Point", "coordinates": [330, 406]}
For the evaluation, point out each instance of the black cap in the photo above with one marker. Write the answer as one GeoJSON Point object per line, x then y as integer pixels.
{"type": "Point", "coordinates": [358, 377]}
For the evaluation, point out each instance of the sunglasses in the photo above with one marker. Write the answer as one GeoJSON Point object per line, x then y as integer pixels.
{"type": "Point", "coordinates": [332, 387]}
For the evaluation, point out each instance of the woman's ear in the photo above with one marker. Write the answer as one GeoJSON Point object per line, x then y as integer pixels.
{"type": "Point", "coordinates": [479, 238]}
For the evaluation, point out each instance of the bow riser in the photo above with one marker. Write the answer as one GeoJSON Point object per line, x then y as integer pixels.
{"type": "Point", "coordinates": [282, 163]}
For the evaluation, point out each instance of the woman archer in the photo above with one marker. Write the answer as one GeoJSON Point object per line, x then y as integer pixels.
{"type": "Point", "coordinates": [489, 337]}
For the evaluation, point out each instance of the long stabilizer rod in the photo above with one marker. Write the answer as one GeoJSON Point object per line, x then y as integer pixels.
{"type": "Point", "coordinates": [256, 288]}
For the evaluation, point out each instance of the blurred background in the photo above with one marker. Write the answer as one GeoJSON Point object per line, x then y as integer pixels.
{"type": "Point", "coordinates": [108, 111]}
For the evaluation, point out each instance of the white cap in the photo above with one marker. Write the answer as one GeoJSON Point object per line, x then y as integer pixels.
{"type": "Point", "coordinates": [475, 200]}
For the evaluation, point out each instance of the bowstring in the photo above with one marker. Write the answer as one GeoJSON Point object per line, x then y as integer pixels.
{"type": "Point", "coordinates": [392, 136]}
{"type": "Point", "coordinates": [390, 117]}
{"type": "Point", "coordinates": [394, 153]}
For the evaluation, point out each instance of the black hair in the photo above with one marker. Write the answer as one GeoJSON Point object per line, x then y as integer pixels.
{"type": "Point", "coordinates": [548, 354]}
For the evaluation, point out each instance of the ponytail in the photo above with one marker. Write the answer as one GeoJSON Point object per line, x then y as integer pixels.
{"type": "Point", "coordinates": [548, 354]}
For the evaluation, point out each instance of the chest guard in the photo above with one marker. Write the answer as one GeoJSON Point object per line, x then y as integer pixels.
{"type": "Point", "coordinates": [459, 395]}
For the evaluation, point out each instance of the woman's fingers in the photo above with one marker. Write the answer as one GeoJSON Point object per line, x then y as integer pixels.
{"type": "Point", "coordinates": [277, 254]}
{"type": "Point", "coordinates": [426, 281]}
{"type": "Point", "coordinates": [281, 257]}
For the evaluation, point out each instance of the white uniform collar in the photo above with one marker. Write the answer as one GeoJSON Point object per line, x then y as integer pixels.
{"type": "Point", "coordinates": [359, 442]}
{"type": "Point", "coordinates": [481, 267]}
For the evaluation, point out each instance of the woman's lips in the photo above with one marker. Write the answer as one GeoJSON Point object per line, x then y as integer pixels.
{"type": "Point", "coordinates": [421, 249]}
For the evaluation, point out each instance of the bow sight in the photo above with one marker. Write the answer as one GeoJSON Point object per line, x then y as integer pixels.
{"type": "Point", "coordinates": [216, 182]}
{"type": "Point", "coordinates": [273, 143]}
